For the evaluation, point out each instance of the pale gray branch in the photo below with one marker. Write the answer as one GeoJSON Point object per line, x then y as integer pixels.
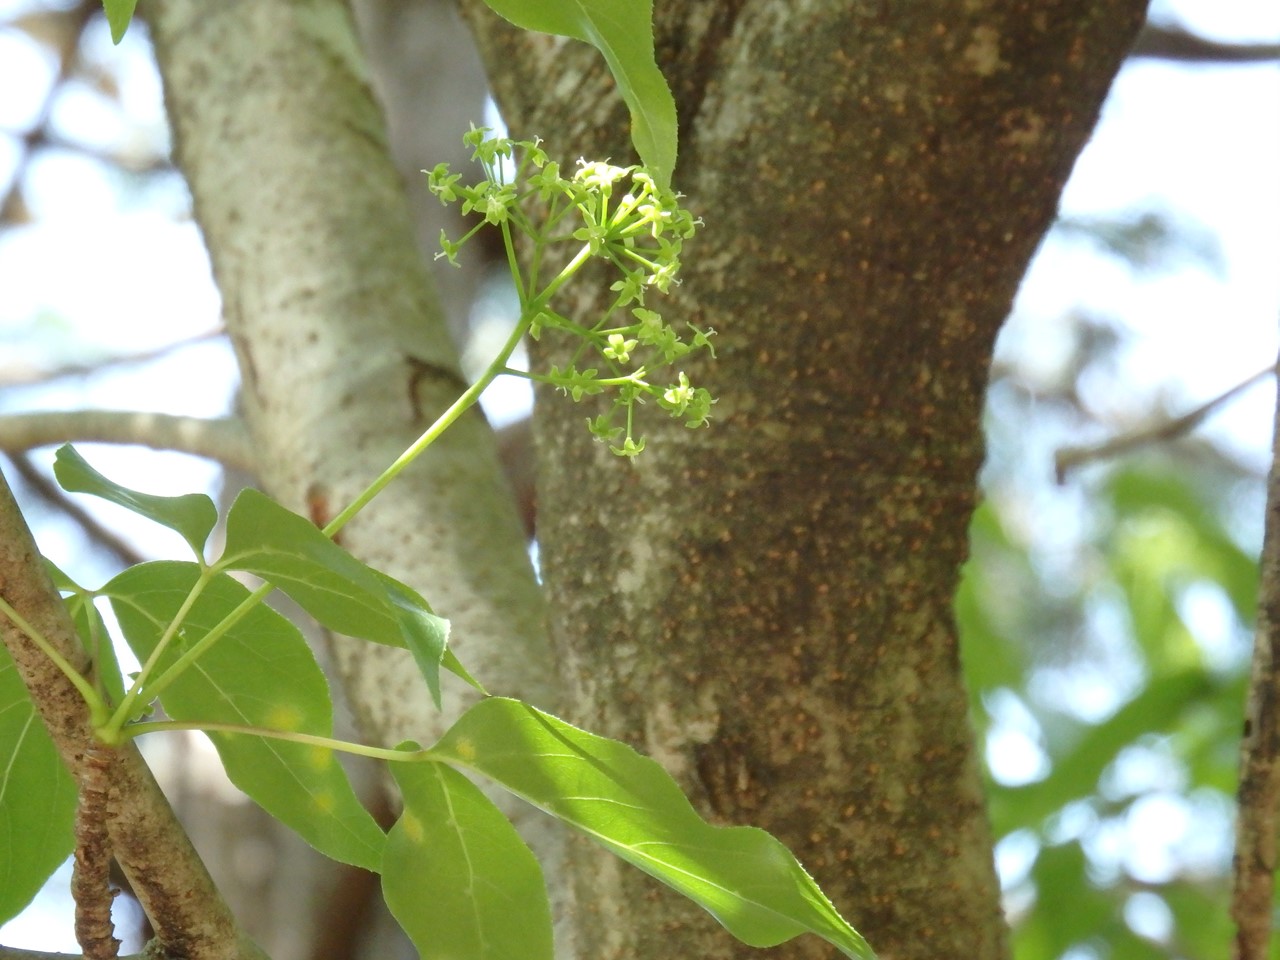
{"type": "Point", "coordinates": [222, 439]}
{"type": "Point", "coordinates": [22, 377]}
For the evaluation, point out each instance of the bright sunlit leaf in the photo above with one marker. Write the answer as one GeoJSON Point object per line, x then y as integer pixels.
{"type": "Point", "coordinates": [457, 876]}
{"type": "Point", "coordinates": [622, 30]}
{"type": "Point", "coordinates": [260, 674]}
{"type": "Point", "coordinates": [629, 805]}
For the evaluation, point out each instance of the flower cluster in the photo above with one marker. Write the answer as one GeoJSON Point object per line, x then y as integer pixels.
{"type": "Point", "coordinates": [601, 212]}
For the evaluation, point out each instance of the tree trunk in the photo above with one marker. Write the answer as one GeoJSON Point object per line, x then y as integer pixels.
{"type": "Point", "coordinates": [344, 353]}
{"type": "Point", "coordinates": [765, 606]}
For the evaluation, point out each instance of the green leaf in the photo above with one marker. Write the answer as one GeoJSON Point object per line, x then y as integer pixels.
{"type": "Point", "coordinates": [60, 578]}
{"type": "Point", "coordinates": [457, 876]}
{"type": "Point", "coordinates": [192, 515]}
{"type": "Point", "coordinates": [426, 634]}
{"type": "Point", "coordinates": [260, 674]}
{"type": "Point", "coordinates": [119, 13]}
{"type": "Point", "coordinates": [345, 595]}
{"type": "Point", "coordinates": [1157, 708]}
{"type": "Point", "coordinates": [97, 640]}
{"type": "Point", "coordinates": [265, 539]}
{"type": "Point", "coordinates": [454, 666]}
{"type": "Point", "coordinates": [622, 30]}
{"type": "Point", "coordinates": [629, 805]}
{"type": "Point", "coordinates": [37, 797]}
{"type": "Point", "coordinates": [91, 629]}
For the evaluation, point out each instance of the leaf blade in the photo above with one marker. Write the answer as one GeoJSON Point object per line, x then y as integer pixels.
{"type": "Point", "coordinates": [119, 13]}
{"type": "Point", "coordinates": [191, 515]}
{"type": "Point", "coordinates": [627, 803]}
{"type": "Point", "coordinates": [270, 541]}
{"type": "Point", "coordinates": [342, 593]}
{"type": "Point", "coordinates": [37, 797]}
{"type": "Point", "coordinates": [457, 876]}
{"type": "Point", "coordinates": [425, 634]}
{"type": "Point", "coordinates": [260, 674]}
{"type": "Point", "coordinates": [622, 30]}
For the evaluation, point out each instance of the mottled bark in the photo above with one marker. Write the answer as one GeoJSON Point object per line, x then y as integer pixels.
{"type": "Point", "coordinates": [765, 606]}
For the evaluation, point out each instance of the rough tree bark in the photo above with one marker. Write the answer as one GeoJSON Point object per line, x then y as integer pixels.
{"type": "Point", "coordinates": [766, 606]}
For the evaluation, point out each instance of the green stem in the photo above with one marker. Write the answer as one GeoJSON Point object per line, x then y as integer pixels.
{"type": "Point", "coordinates": [135, 691]}
{"type": "Point", "coordinates": [637, 378]}
{"type": "Point", "coordinates": [562, 277]}
{"type": "Point", "coordinates": [179, 666]}
{"type": "Point", "coordinates": [292, 736]}
{"type": "Point", "coordinates": [513, 264]}
{"type": "Point", "coordinates": [496, 368]}
{"type": "Point", "coordinates": [432, 433]}
{"type": "Point", "coordinates": [96, 705]}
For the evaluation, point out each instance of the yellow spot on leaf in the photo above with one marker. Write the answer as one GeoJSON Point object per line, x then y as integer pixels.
{"type": "Point", "coordinates": [284, 717]}
{"type": "Point", "coordinates": [412, 826]}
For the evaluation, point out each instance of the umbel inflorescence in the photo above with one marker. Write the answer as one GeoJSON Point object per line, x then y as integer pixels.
{"type": "Point", "coordinates": [618, 215]}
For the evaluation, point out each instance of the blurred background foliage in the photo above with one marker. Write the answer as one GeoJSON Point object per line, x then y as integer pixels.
{"type": "Point", "coordinates": [1106, 620]}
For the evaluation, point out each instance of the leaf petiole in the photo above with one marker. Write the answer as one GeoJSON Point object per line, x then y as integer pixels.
{"type": "Point", "coordinates": [292, 736]}
{"type": "Point", "coordinates": [97, 706]}
{"type": "Point", "coordinates": [139, 685]}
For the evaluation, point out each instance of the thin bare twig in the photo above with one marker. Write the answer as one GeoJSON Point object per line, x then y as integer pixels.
{"type": "Point", "coordinates": [1174, 43]}
{"type": "Point", "coordinates": [79, 18]}
{"type": "Point", "coordinates": [1068, 458]}
{"type": "Point", "coordinates": [24, 378]}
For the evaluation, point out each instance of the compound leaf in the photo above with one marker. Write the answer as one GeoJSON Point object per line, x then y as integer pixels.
{"type": "Point", "coordinates": [261, 673]}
